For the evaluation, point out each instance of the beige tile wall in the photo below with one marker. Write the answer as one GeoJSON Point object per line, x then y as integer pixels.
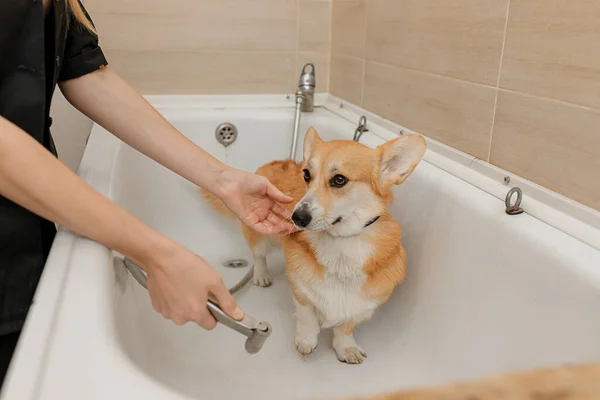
{"type": "Point", "coordinates": [214, 46]}
{"type": "Point", "coordinates": [512, 82]}
{"type": "Point", "coordinates": [202, 47]}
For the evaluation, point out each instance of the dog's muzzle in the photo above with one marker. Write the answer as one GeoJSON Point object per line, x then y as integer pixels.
{"type": "Point", "coordinates": [301, 216]}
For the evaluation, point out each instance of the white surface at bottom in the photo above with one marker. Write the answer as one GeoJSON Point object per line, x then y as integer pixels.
{"type": "Point", "coordinates": [485, 292]}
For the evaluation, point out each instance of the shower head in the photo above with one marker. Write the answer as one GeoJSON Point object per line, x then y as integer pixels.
{"type": "Point", "coordinates": [256, 331]}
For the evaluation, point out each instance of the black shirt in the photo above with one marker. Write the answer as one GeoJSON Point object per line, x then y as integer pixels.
{"type": "Point", "coordinates": [36, 52]}
{"type": "Point", "coordinates": [49, 58]}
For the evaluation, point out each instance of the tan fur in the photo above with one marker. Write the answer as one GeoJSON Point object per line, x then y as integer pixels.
{"type": "Point", "coordinates": [559, 382]}
{"type": "Point", "coordinates": [385, 268]}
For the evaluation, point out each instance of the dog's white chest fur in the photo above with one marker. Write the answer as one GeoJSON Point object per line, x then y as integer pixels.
{"type": "Point", "coordinates": [338, 296]}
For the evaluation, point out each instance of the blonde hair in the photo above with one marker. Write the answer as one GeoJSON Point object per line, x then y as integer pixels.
{"type": "Point", "coordinates": [80, 16]}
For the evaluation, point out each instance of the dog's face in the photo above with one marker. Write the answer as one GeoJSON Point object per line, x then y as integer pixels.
{"type": "Point", "coordinates": [349, 184]}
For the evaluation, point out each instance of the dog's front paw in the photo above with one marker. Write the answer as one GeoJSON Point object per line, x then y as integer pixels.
{"type": "Point", "coordinates": [305, 347]}
{"type": "Point", "coordinates": [351, 355]}
{"type": "Point", "coordinates": [262, 280]}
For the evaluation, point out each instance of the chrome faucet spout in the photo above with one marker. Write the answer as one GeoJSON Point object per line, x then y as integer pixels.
{"type": "Point", "coordinates": [305, 101]}
{"type": "Point", "coordinates": [306, 87]}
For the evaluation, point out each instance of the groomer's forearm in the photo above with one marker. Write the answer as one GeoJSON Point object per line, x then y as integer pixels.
{"type": "Point", "coordinates": [112, 103]}
{"type": "Point", "coordinates": [33, 178]}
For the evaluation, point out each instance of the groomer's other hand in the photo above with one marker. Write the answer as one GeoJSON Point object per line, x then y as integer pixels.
{"type": "Point", "coordinates": [180, 282]}
{"type": "Point", "coordinates": [255, 200]}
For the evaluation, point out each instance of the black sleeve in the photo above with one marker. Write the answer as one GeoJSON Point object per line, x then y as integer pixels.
{"type": "Point", "coordinates": [12, 17]}
{"type": "Point", "coordinates": [82, 53]}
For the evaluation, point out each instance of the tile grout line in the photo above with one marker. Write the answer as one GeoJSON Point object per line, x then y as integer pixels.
{"type": "Point", "coordinates": [346, 57]}
{"type": "Point", "coordinates": [435, 74]}
{"type": "Point", "coordinates": [489, 155]}
{"type": "Point", "coordinates": [204, 50]}
{"type": "Point", "coordinates": [362, 83]}
{"type": "Point", "coordinates": [364, 56]}
{"type": "Point", "coordinates": [551, 99]}
{"type": "Point", "coordinates": [330, 55]}
{"type": "Point", "coordinates": [297, 42]}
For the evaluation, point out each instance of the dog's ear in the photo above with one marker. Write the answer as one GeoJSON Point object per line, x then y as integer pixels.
{"type": "Point", "coordinates": [398, 158]}
{"type": "Point", "coordinates": [311, 140]}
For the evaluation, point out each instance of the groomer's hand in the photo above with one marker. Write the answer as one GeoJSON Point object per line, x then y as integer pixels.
{"type": "Point", "coordinates": [255, 201]}
{"type": "Point", "coordinates": [180, 282]}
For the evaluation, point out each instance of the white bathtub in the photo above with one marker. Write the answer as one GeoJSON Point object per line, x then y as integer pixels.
{"type": "Point", "coordinates": [485, 292]}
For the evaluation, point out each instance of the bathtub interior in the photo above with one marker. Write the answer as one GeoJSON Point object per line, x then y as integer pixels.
{"type": "Point", "coordinates": [485, 293]}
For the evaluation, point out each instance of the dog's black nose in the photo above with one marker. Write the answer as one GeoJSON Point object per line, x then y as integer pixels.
{"type": "Point", "coordinates": [301, 218]}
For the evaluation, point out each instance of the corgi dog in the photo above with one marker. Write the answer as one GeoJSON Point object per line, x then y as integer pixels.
{"type": "Point", "coordinates": [347, 257]}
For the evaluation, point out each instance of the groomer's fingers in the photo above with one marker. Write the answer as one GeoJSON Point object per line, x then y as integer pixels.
{"type": "Point", "coordinates": [276, 224]}
{"type": "Point", "coordinates": [226, 301]}
{"type": "Point", "coordinates": [274, 219]}
{"type": "Point", "coordinates": [265, 227]}
{"type": "Point", "coordinates": [179, 320]}
{"type": "Point", "coordinates": [207, 321]}
{"type": "Point", "coordinates": [290, 229]}
{"type": "Point", "coordinates": [281, 212]}
{"type": "Point", "coordinates": [276, 194]}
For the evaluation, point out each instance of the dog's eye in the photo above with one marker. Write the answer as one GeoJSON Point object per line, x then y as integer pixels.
{"type": "Point", "coordinates": [306, 175]}
{"type": "Point", "coordinates": [338, 181]}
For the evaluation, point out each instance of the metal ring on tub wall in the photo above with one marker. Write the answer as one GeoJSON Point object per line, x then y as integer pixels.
{"type": "Point", "coordinates": [514, 209]}
{"type": "Point", "coordinates": [362, 127]}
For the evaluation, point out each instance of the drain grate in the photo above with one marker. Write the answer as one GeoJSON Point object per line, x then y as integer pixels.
{"type": "Point", "coordinates": [238, 263]}
{"type": "Point", "coordinates": [226, 133]}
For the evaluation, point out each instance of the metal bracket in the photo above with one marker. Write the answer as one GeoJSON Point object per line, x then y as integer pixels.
{"type": "Point", "coordinates": [514, 209]}
{"type": "Point", "coordinates": [362, 127]}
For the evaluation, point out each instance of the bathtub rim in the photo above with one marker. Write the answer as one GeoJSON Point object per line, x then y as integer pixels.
{"type": "Point", "coordinates": [31, 356]}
